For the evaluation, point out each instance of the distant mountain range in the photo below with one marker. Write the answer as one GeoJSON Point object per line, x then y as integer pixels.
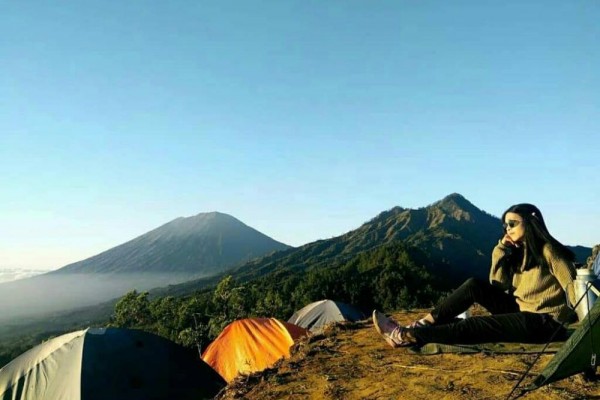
{"type": "Point", "coordinates": [457, 237]}
{"type": "Point", "coordinates": [183, 249]}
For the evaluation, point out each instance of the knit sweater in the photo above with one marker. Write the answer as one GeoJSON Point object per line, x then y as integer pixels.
{"type": "Point", "coordinates": [537, 289]}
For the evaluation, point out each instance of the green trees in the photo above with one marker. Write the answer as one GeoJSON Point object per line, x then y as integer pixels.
{"type": "Point", "coordinates": [133, 310]}
{"type": "Point", "coordinates": [230, 301]}
{"type": "Point", "coordinates": [388, 278]}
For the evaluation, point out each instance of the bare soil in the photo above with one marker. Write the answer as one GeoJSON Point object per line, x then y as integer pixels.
{"type": "Point", "coordinates": [352, 361]}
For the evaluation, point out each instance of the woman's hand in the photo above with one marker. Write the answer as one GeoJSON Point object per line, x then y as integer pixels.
{"type": "Point", "coordinates": [507, 241]}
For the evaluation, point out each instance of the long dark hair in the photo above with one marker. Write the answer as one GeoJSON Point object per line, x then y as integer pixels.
{"type": "Point", "coordinates": [536, 236]}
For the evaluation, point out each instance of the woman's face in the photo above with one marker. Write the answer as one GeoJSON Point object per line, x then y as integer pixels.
{"type": "Point", "coordinates": [515, 228]}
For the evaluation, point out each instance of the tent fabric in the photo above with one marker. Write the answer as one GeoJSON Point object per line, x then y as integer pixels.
{"type": "Point", "coordinates": [251, 345]}
{"type": "Point", "coordinates": [319, 314]}
{"type": "Point", "coordinates": [35, 373]}
{"type": "Point", "coordinates": [576, 354]}
{"type": "Point", "coordinates": [110, 363]}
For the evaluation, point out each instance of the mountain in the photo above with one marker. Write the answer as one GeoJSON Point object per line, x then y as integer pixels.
{"type": "Point", "coordinates": [200, 245]}
{"type": "Point", "coordinates": [453, 232]}
{"type": "Point", "coordinates": [180, 250]}
{"type": "Point", "coordinates": [457, 237]}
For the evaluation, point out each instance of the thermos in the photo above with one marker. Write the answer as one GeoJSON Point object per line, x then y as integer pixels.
{"type": "Point", "coordinates": [582, 281]}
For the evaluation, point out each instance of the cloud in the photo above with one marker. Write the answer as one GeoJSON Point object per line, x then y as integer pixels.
{"type": "Point", "coordinates": [13, 274]}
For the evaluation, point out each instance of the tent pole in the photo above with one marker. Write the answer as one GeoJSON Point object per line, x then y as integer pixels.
{"type": "Point", "coordinates": [585, 295]}
{"type": "Point", "coordinates": [532, 364]}
{"type": "Point", "coordinates": [593, 359]}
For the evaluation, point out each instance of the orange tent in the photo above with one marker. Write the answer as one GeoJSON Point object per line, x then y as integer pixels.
{"type": "Point", "coordinates": [251, 345]}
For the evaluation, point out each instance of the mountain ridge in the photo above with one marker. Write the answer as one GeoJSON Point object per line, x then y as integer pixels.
{"type": "Point", "coordinates": [457, 235]}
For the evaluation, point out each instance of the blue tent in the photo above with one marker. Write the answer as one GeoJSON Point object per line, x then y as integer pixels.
{"type": "Point", "coordinates": [111, 363]}
{"type": "Point", "coordinates": [319, 314]}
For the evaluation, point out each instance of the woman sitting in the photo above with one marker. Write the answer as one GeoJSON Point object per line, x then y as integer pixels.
{"type": "Point", "coordinates": [526, 294]}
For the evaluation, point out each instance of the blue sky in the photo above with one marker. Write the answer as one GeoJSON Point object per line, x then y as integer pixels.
{"type": "Point", "coordinates": [303, 119]}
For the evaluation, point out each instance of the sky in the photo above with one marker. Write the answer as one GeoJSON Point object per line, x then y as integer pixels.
{"type": "Point", "coordinates": [303, 119]}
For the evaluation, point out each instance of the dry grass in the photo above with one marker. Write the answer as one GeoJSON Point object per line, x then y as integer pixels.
{"type": "Point", "coordinates": [352, 362]}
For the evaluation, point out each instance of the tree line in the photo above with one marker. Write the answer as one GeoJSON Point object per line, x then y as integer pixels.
{"type": "Point", "coordinates": [390, 277]}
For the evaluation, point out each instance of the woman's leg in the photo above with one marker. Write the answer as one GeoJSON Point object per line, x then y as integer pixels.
{"type": "Point", "coordinates": [524, 327]}
{"type": "Point", "coordinates": [492, 298]}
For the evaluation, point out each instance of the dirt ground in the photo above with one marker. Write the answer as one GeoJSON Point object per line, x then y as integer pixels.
{"type": "Point", "coordinates": [353, 362]}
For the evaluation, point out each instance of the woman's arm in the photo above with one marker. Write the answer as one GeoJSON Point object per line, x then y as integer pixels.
{"type": "Point", "coordinates": [563, 271]}
{"type": "Point", "coordinates": [500, 273]}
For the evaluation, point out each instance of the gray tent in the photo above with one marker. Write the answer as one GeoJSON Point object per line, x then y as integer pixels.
{"type": "Point", "coordinates": [317, 315]}
{"type": "Point", "coordinates": [108, 364]}
{"type": "Point", "coordinates": [578, 353]}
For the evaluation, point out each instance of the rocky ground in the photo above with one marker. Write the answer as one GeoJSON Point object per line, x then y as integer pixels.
{"type": "Point", "coordinates": [353, 362]}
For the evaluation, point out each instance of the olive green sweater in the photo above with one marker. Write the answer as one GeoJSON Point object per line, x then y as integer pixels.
{"type": "Point", "coordinates": [537, 289]}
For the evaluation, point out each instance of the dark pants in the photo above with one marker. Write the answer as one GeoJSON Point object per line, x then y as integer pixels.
{"type": "Point", "coordinates": [507, 324]}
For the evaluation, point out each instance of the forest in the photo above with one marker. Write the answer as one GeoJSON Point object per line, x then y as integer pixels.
{"type": "Point", "coordinates": [390, 277]}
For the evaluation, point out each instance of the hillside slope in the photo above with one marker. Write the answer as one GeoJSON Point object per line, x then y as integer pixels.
{"type": "Point", "coordinates": [452, 231]}
{"type": "Point", "coordinates": [352, 362]}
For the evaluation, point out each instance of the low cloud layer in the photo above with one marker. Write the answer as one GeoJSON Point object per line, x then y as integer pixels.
{"type": "Point", "coordinates": [13, 274]}
{"type": "Point", "coordinates": [49, 293]}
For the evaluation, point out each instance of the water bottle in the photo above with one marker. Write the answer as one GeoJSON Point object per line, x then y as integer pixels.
{"type": "Point", "coordinates": [582, 281]}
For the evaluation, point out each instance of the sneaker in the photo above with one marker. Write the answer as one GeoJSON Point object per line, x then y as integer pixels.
{"type": "Point", "coordinates": [390, 330]}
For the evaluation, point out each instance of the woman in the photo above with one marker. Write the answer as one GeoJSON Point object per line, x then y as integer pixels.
{"type": "Point", "coordinates": [526, 294]}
